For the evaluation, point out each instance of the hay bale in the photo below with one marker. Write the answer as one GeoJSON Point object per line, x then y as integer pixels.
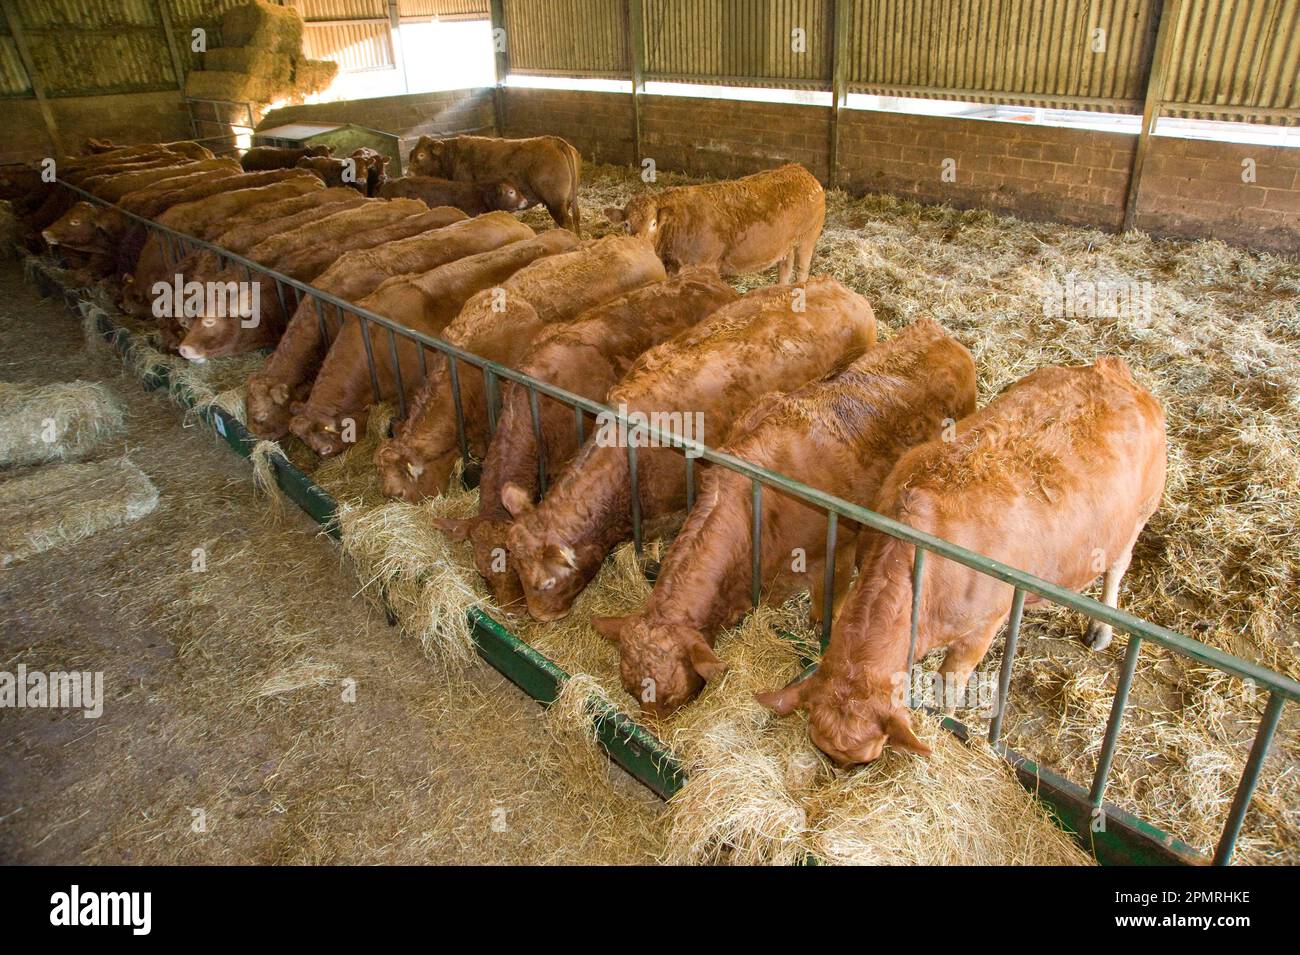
{"type": "Point", "coordinates": [263, 25]}
{"type": "Point", "coordinates": [58, 422]}
{"type": "Point", "coordinates": [235, 87]}
{"type": "Point", "coordinates": [268, 64]}
{"type": "Point", "coordinates": [313, 76]}
{"type": "Point", "coordinates": [61, 504]}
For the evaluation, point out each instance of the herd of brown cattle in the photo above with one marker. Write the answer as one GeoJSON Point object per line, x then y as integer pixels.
{"type": "Point", "coordinates": [1056, 476]}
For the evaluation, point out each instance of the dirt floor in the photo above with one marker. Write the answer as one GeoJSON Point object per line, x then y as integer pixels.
{"type": "Point", "coordinates": [225, 736]}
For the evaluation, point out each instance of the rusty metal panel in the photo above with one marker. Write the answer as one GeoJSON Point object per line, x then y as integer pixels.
{"type": "Point", "coordinates": [567, 37]}
{"type": "Point", "coordinates": [446, 9]}
{"type": "Point", "coordinates": [1005, 51]}
{"type": "Point", "coordinates": [746, 42]}
{"type": "Point", "coordinates": [355, 46]}
{"type": "Point", "coordinates": [13, 78]}
{"type": "Point", "coordinates": [1236, 60]}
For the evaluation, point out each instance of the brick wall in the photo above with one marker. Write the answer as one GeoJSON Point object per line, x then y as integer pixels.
{"type": "Point", "coordinates": [598, 124]}
{"type": "Point", "coordinates": [1193, 189]}
{"type": "Point", "coordinates": [1036, 172]}
{"type": "Point", "coordinates": [124, 118]}
{"type": "Point", "coordinates": [409, 116]}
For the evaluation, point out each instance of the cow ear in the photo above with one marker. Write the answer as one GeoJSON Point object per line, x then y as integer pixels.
{"type": "Point", "coordinates": [516, 500]}
{"type": "Point", "coordinates": [784, 701]}
{"type": "Point", "coordinates": [280, 393]}
{"type": "Point", "coordinates": [706, 663]}
{"type": "Point", "coordinates": [899, 730]}
{"type": "Point", "coordinates": [615, 215]}
{"type": "Point", "coordinates": [560, 554]}
{"type": "Point", "coordinates": [455, 529]}
{"type": "Point", "coordinates": [611, 628]}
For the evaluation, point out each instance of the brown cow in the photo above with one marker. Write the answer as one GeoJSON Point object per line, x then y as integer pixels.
{"type": "Point", "coordinates": [287, 215]}
{"type": "Point", "coordinates": [219, 335]}
{"type": "Point", "coordinates": [203, 219]}
{"type": "Point", "coordinates": [312, 262]}
{"type": "Point", "coordinates": [1056, 476]}
{"type": "Point", "coordinates": [289, 372]}
{"type": "Point", "coordinates": [119, 185]}
{"type": "Point", "coordinates": [428, 303]}
{"type": "Point", "coordinates": [545, 169]}
{"type": "Point", "coordinates": [335, 172]}
{"type": "Point", "coordinates": [279, 157]}
{"type": "Point", "coordinates": [499, 324]}
{"type": "Point", "coordinates": [841, 435]}
{"type": "Point", "coordinates": [586, 357]}
{"type": "Point", "coordinates": [474, 198]}
{"type": "Point", "coordinates": [770, 340]}
{"type": "Point", "coordinates": [736, 226]}
{"type": "Point", "coordinates": [372, 167]}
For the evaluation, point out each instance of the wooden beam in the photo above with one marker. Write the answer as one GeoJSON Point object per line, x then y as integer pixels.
{"type": "Point", "coordinates": [500, 58]}
{"type": "Point", "coordinates": [841, 30]}
{"type": "Point", "coordinates": [395, 37]}
{"type": "Point", "coordinates": [1168, 14]}
{"type": "Point", "coordinates": [636, 53]}
{"type": "Point", "coordinates": [33, 78]}
{"type": "Point", "coordinates": [170, 34]}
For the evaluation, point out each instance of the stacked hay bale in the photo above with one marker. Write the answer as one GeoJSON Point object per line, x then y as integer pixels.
{"type": "Point", "coordinates": [260, 60]}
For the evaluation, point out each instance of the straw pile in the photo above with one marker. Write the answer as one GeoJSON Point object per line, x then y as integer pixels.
{"type": "Point", "coordinates": [1217, 345]}
{"type": "Point", "coordinates": [59, 422]}
{"type": "Point", "coordinates": [61, 504]}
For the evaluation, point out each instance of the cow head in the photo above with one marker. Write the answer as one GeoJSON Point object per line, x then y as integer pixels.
{"type": "Point", "coordinates": [319, 150]}
{"type": "Point", "coordinates": [94, 146]}
{"type": "Point", "coordinates": [663, 665]}
{"type": "Point", "coordinates": [323, 430]}
{"type": "Point", "coordinates": [268, 406]}
{"type": "Point", "coordinates": [549, 568]}
{"type": "Point", "coordinates": [428, 158]}
{"type": "Point", "coordinates": [492, 557]}
{"type": "Point", "coordinates": [76, 229]}
{"type": "Point", "coordinates": [640, 217]}
{"type": "Point", "coordinates": [848, 723]}
{"type": "Point", "coordinates": [407, 474]}
{"type": "Point", "coordinates": [506, 197]}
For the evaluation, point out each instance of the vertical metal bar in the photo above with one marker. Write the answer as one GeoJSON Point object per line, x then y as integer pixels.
{"type": "Point", "coordinates": [841, 31]}
{"type": "Point", "coordinates": [1107, 754]}
{"type": "Point", "coordinates": [636, 53]}
{"type": "Point", "coordinates": [636, 493]}
{"type": "Point", "coordinates": [490, 395]}
{"type": "Point", "coordinates": [279, 294]}
{"type": "Point", "coordinates": [170, 35]}
{"type": "Point", "coordinates": [370, 352]}
{"type": "Point", "coordinates": [1008, 655]}
{"type": "Point", "coordinates": [424, 365]}
{"type": "Point", "coordinates": [756, 541]}
{"type": "Point", "coordinates": [690, 482]}
{"type": "Point", "coordinates": [324, 325]}
{"type": "Point", "coordinates": [461, 436]}
{"type": "Point", "coordinates": [828, 584]}
{"type": "Point", "coordinates": [918, 571]}
{"type": "Point", "coordinates": [1167, 14]}
{"type": "Point", "coordinates": [1249, 779]}
{"type": "Point", "coordinates": [397, 374]}
{"type": "Point", "coordinates": [500, 62]}
{"type": "Point", "coordinates": [537, 436]}
{"type": "Point", "coordinates": [578, 425]}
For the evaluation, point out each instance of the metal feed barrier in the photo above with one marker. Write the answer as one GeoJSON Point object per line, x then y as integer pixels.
{"type": "Point", "coordinates": [1075, 806]}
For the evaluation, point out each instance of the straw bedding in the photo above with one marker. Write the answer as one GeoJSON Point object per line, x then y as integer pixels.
{"type": "Point", "coordinates": [1217, 562]}
{"type": "Point", "coordinates": [60, 504]}
{"type": "Point", "coordinates": [59, 422]}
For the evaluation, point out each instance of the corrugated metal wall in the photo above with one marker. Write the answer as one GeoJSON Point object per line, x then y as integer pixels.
{"type": "Point", "coordinates": [568, 37]}
{"type": "Point", "coordinates": [447, 9]}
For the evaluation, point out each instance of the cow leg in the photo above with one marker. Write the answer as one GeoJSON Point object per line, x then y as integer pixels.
{"type": "Point", "coordinates": [561, 216]}
{"type": "Point", "coordinates": [960, 661]}
{"type": "Point", "coordinates": [1099, 634]}
{"type": "Point", "coordinates": [785, 269]}
{"type": "Point", "coordinates": [803, 253]}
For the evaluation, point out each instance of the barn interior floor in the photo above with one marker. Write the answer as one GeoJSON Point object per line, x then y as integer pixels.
{"type": "Point", "coordinates": [225, 736]}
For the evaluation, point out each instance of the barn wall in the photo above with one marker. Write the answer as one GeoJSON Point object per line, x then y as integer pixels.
{"type": "Point", "coordinates": [598, 124]}
{"type": "Point", "coordinates": [124, 118]}
{"type": "Point", "coordinates": [409, 117]}
{"type": "Point", "coordinates": [1193, 188]}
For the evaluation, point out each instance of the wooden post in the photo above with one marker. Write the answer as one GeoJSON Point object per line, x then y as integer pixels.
{"type": "Point", "coordinates": [636, 53]}
{"type": "Point", "coordinates": [500, 52]}
{"type": "Point", "coordinates": [169, 33]}
{"type": "Point", "coordinates": [33, 78]}
{"type": "Point", "coordinates": [841, 30]}
{"type": "Point", "coordinates": [395, 37]}
{"type": "Point", "coordinates": [1168, 14]}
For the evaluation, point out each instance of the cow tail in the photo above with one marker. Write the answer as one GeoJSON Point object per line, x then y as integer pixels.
{"type": "Point", "coordinates": [574, 209]}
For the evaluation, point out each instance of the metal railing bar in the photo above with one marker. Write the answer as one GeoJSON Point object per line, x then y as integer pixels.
{"type": "Point", "coordinates": [397, 375]}
{"type": "Point", "coordinates": [918, 582]}
{"type": "Point", "coordinates": [537, 436]}
{"type": "Point", "coordinates": [690, 482]}
{"type": "Point", "coordinates": [1072, 600]}
{"type": "Point", "coordinates": [756, 542]}
{"type": "Point", "coordinates": [634, 490]}
{"type": "Point", "coordinates": [1249, 779]}
{"type": "Point", "coordinates": [578, 425]}
{"type": "Point", "coordinates": [1107, 754]}
{"type": "Point", "coordinates": [828, 583]}
{"type": "Point", "coordinates": [370, 352]}
{"type": "Point", "coordinates": [1008, 657]}
{"type": "Point", "coordinates": [490, 396]}
{"type": "Point", "coordinates": [453, 365]}
{"type": "Point", "coordinates": [424, 364]}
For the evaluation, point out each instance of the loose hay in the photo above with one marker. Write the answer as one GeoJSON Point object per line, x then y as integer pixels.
{"type": "Point", "coordinates": [60, 504]}
{"type": "Point", "coordinates": [59, 422]}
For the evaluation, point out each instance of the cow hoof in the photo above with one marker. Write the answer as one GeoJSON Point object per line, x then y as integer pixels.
{"type": "Point", "coordinates": [1098, 636]}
